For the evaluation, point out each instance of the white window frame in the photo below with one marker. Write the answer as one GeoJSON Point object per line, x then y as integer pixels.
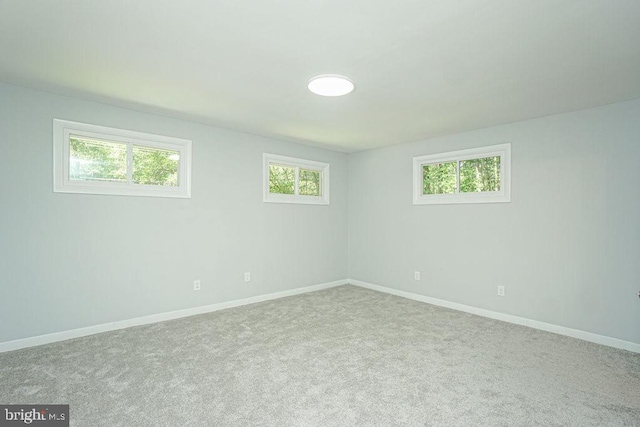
{"type": "Point", "coordinates": [296, 163]}
{"type": "Point", "coordinates": [62, 131]}
{"type": "Point", "coordinates": [502, 196]}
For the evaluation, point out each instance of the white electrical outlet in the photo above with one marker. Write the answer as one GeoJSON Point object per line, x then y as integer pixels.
{"type": "Point", "coordinates": [196, 285]}
{"type": "Point", "coordinates": [416, 275]}
{"type": "Point", "coordinates": [501, 291]}
{"type": "Point", "coordinates": [247, 277]}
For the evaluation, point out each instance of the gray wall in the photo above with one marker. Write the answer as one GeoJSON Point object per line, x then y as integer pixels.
{"type": "Point", "coordinates": [69, 260]}
{"type": "Point", "coordinates": [567, 247]}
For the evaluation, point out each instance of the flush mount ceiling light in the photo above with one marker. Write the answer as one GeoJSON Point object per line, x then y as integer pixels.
{"type": "Point", "coordinates": [330, 85]}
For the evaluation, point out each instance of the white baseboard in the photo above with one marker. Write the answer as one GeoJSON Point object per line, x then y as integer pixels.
{"type": "Point", "coordinates": [561, 330]}
{"type": "Point", "coordinates": [154, 318]}
{"type": "Point", "coordinates": [161, 317]}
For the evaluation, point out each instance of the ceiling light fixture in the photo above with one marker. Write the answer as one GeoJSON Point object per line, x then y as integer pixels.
{"type": "Point", "coordinates": [330, 85]}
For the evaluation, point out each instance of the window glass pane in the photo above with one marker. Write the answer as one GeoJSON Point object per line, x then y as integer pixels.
{"type": "Point", "coordinates": [282, 179]}
{"type": "Point", "coordinates": [155, 166]}
{"type": "Point", "coordinates": [309, 184]}
{"type": "Point", "coordinates": [439, 178]}
{"type": "Point", "coordinates": [478, 175]}
{"type": "Point", "coordinates": [94, 160]}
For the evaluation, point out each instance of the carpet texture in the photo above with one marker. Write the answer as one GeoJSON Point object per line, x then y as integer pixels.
{"type": "Point", "coordinates": [337, 357]}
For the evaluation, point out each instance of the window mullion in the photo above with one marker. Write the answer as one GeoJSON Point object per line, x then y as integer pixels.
{"type": "Point", "coordinates": [297, 182]}
{"type": "Point", "coordinates": [129, 163]}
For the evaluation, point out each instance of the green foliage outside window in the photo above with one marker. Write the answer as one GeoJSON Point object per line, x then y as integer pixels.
{"type": "Point", "coordinates": [152, 166]}
{"type": "Point", "coordinates": [282, 179]}
{"type": "Point", "coordinates": [439, 178]}
{"type": "Point", "coordinates": [476, 175]}
{"type": "Point", "coordinates": [309, 183]}
{"type": "Point", "coordinates": [95, 160]}
{"type": "Point", "coordinates": [479, 175]}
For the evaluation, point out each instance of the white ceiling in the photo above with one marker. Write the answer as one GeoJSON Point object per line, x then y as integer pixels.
{"type": "Point", "coordinates": [422, 67]}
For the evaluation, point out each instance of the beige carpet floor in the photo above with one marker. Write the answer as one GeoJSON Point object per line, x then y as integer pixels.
{"type": "Point", "coordinates": [339, 357]}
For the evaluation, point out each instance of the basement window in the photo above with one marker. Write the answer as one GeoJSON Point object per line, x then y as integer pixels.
{"type": "Point", "coordinates": [478, 175]}
{"type": "Point", "coordinates": [291, 180]}
{"type": "Point", "coordinates": [94, 159]}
